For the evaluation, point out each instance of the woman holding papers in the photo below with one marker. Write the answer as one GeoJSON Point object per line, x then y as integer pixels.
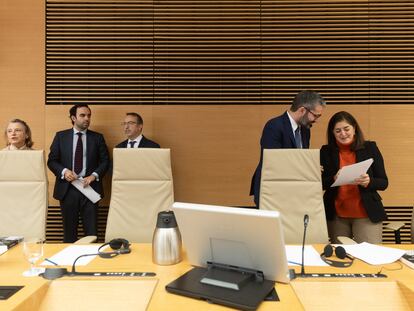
{"type": "Point", "coordinates": [18, 135]}
{"type": "Point", "coordinates": [353, 210]}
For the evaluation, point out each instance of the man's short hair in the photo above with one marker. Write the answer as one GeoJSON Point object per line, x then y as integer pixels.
{"type": "Point", "coordinates": [74, 109]}
{"type": "Point", "coordinates": [140, 121]}
{"type": "Point", "coordinates": [308, 99]}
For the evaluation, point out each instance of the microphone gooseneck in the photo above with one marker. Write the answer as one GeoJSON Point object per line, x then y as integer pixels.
{"type": "Point", "coordinates": [305, 225]}
{"type": "Point", "coordinates": [73, 272]}
{"type": "Point", "coordinates": [306, 220]}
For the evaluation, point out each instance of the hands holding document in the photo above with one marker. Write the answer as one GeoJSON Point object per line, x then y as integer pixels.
{"type": "Point", "coordinates": [83, 185]}
{"type": "Point", "coordinates": [86, 181]}
{"type": "Point", "coordinates": [355, 174]}
{"type": "Point", "coordinates": [363, 180]}
{"type": "Point", "coordinates": [87, 190]}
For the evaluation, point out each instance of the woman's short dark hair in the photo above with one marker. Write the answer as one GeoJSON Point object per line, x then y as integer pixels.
{"type": "Point", "coordinates": [359, 140]}
{"type": "Point", "coordinates": [28, 140]}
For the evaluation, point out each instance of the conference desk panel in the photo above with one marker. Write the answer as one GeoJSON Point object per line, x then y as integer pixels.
{"type": "Point", "coordinates": [12, 264]}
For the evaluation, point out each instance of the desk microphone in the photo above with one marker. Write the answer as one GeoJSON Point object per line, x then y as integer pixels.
{"type": "Point", "coordinates": [54, 273]}
{"type": "Point", "coordinates": [305, 226]}
{"type": "Point", "coordinates": [327, 275]}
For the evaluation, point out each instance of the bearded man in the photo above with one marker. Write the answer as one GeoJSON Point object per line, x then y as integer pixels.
{"type": "Point", "coordinates": [290, 130]}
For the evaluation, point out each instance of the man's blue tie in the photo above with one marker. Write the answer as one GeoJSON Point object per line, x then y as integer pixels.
{"type": "Point", "coordinates": [132, 143]}
{"type": "Point", "coordinates": [298, 138]}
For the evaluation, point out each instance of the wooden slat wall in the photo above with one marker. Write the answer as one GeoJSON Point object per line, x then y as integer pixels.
{"type": "Point", "coordinates": [99, 52]}
{"type": "Point", "coordinates": [229, 51]}
{"type": "Point", "coordinates": [207, 52]}
{"type": "Point", "coordinates": [391, 47]}
{"type": "Point", "coordinates": [322, 45]}
{"type": "Point", "coordinates": [215, 147]}
{"type": "Point", "coordinates": [398, 213]}
{"type": "Point", "coordinates": [355, 52]}
{"type": "Point", "coordinates": [54, 232]}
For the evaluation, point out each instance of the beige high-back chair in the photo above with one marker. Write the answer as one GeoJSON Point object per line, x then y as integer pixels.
{"type": "Point", "coordinates": [291, 184]}
{"type": "Point", "coordinates": [23, 193]}
{"type": "Point", "coordinates": [142, 186]}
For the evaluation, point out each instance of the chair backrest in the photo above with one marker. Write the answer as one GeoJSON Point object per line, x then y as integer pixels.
{"type": "Point", "coordinates": [23, 193]}
{"type": "Point", "coordinates": [291, 184]}
{"type": "Point", "coordinates": [142, 186]}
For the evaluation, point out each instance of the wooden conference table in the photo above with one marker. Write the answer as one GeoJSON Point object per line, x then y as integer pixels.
{"type": "Point", "coordinates": [396, 291]}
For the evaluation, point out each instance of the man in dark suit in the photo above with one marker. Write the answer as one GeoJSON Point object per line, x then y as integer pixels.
{"type": "Point", "coordinates": [133, 125]}
{"type": "Point", "coordinates": [78, 153]}
{"type": "Point", "coordinates": [289, 130]}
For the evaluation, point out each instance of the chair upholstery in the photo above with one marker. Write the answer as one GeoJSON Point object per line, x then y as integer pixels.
{"type": "Point", "coordinates": [86, 240]}
{"type": "Point", "coordinates": [23, 193]}
{"type": "Point", "coordinates": [291, 184]}
{"type": "Point", "coordinates": [345, 240]}
{"type": "Point", "coordinates": [142, 186]}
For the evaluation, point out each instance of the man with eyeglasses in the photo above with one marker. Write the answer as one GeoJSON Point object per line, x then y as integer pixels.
{"type": "Point", "coordinates": [290, 130]}
{"type": "Point", "coordinates": [133, 125]}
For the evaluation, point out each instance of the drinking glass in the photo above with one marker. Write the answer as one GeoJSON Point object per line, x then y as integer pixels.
{"type": "Point", "coordinates": [33, 251]}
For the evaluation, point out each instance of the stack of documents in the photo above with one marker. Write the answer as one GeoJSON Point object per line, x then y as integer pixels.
{"type": "Point", "coordinates": [374, 254]}
{"type": "Point", "coordinates": [370, 253]}
{"type": "Point", "coordinates": [349, 173]}
{"type": "Point", "coordinates": [68, 255]}
{"type": "Point", "coordinates": [8, 242]}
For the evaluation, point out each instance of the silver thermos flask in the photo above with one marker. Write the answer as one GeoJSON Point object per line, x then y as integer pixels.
{"type": "Point", "coordinates": [166, 241]}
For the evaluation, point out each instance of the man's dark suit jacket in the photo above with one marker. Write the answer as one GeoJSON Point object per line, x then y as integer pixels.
{"type": "Point", "coordinates": [277, 134]}
{"type": "Point", "coordinates": [144, 143]}
{"type": "Point", "coordinates": [371, 200]}
{"type": "Point", "coordinates": [61, 154]}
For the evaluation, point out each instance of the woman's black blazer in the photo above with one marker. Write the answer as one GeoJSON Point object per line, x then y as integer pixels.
{"type": "Point", "coordinates": [371, 200]}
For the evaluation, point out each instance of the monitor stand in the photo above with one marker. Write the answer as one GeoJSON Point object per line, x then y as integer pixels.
{"type": "Point", "coordinates": [231, 286]}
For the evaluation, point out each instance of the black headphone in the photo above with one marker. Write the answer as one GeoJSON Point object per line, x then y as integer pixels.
{"type": "Point", "coordinates": [119, 246]}
{"type": "Point", "coordinates": [340, 253]}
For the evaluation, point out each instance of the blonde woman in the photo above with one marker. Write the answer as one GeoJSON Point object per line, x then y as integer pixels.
{"type": "Point", "coordinates": [18, 135]}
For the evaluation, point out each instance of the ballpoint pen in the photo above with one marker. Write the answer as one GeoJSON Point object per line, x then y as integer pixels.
{"type": "Point", "coordinates": [52, 262]}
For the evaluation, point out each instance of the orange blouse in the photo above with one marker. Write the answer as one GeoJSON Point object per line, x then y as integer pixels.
{"type": "Point", "coordinates": [348, 203]}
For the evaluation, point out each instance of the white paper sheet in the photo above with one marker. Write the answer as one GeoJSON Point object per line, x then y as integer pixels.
{"type": "Point", "coordinates": [374, 254]}
{"type": "Point", "coordinates": [88, 191]}
{"type": "Point", "coordinates": [311, 256]}
{"type": "Point", "coordinates": [349, 173]}
{"type": "Point", "coordinates": [67, 256]}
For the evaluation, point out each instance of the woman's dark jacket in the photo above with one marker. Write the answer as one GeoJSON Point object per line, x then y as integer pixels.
{"type": "Point", "coordinates": [371, 200]}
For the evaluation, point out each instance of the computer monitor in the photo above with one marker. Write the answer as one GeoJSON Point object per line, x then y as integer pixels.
{"type": "Point", "coordinates": [241, 237]}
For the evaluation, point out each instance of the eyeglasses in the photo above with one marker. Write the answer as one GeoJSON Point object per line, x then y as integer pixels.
{"type": "Point", "coordinates": [10, 131]}
{"type": "Point", "coordinates": [316, 116]}
{"type": "Point", "coordinates": [130, 123]}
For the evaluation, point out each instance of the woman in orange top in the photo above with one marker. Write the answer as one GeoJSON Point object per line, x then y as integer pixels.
{"type": "Point", "coordinates": [355, 210]}
{"type": "Point", "coordinates": [18, 135]}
